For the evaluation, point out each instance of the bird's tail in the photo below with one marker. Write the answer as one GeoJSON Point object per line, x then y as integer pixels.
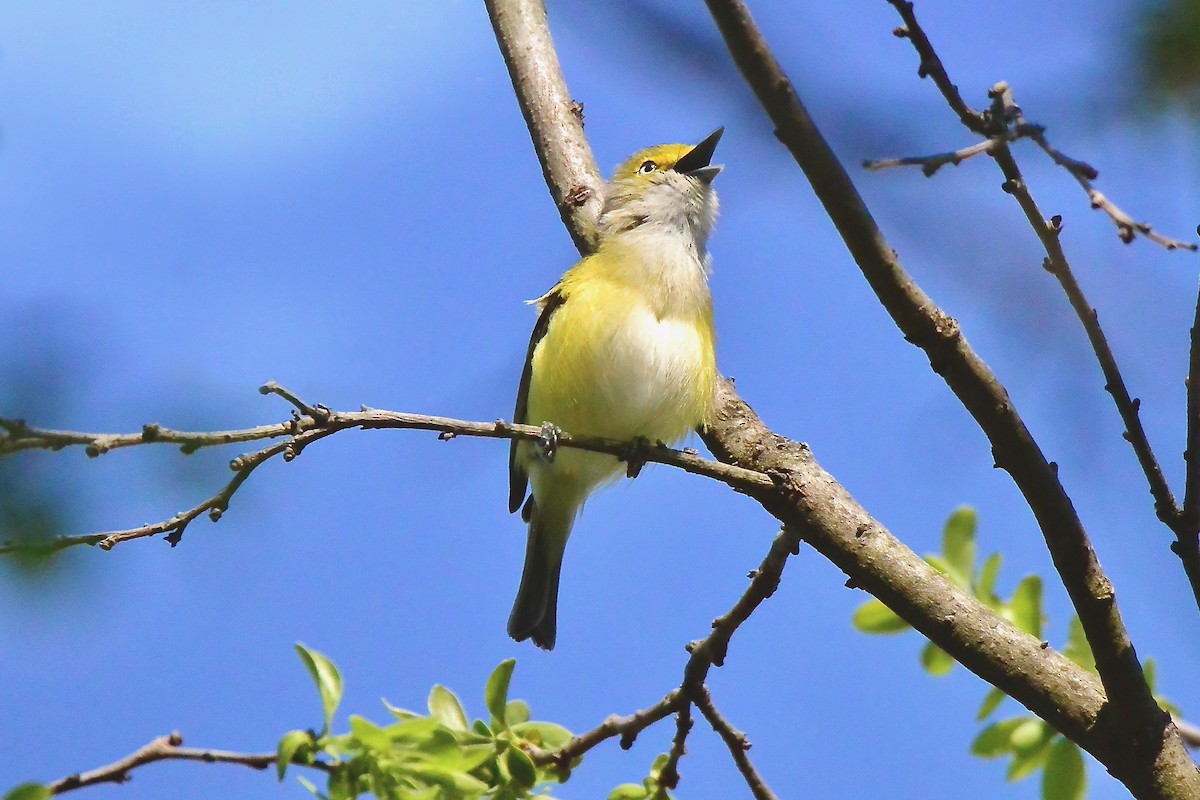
{"type": "Point", "coordinates": [534, 614]}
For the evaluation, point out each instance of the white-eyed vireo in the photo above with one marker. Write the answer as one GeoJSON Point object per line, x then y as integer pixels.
{"type": "Point", "coordinates": [623, 348]}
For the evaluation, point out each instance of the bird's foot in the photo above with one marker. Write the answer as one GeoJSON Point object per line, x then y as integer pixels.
{"type": "Point", "coordinates": [547, 443]}
{"type": "Point", "coordinates": [636, 455]}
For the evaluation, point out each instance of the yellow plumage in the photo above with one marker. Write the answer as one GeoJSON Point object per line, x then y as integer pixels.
{"type": "Point", "coordinates": [624, 348]}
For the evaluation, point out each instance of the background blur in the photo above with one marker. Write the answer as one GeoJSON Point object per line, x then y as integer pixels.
{"type": "Point", "coordinates": [344, 199]}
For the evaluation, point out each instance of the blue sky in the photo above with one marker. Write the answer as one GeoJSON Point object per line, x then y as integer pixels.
{"type": "Point", "coordinates": [343, 199]}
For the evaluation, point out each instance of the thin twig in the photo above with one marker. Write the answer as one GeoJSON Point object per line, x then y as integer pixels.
{"type": "Point", "coordinates": [931, 164]}
{"type": "Point", "coordinates": [168, 748]}
{"type": "Point", "coordinates": [668, 778]}
{"type": "Point", "coordinates": [627, 728]}
{"type": "Point", "coordinates": [303, 430]}
{"type": "Point", "coordinates": [738, 746]}
{"type": "Point", "coordinates": [1084, 174]}
{"type": "Point", "coordinates": [1057, 265]}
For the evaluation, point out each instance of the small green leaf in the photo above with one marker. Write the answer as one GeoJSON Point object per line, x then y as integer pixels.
{"type": "Point", "coordinates": [496, 692]}
{"type": "Point", "coordinates": [412, 731]}
{"type": "Point", "coordinates": [327, 678]}
{"type": "Point", "coordinates": [1026, 763]}
{"type": "Point", "coordinates": [628, 791]}
{"type": "Point", "coordinates": [937, 562]}
{"type": "Point", "coordinates": [1030, 734]}
{"type": "Point", "coordinates": [480, 727]}
{"type": "Point", "coordinates": [996, 739]}
{"type": "Point", "coordinates": [30, 791]}
{"type": "Point", "coordinates": [516, 712]}
{"type": "Point", "coordinates": [289, 746]}
{"type": "Point", "coordinates": [936, 661]}
{"type": "Point", "coordinates": [445, 707]}
{"type": "Point", "coordinates": [307, 784]}
{"type": "Point", "coordinates": [874, 617]}
{"type": "Point", "coordinates": [1078, 649]}
{"type": "Point", "coordinates": [958, 545]}
{"type": "Point", "coordinates": [1026, 605]}
{"type": "Point", "coordinates": [545, 735]}
{"type": "Point", "coordinates": [1149, 673]}
{"type": "Point", "coordinates": [990, 703]}
{"type": "Point", "coordinates": [399, 713]}
{"type": "Point", "coordinates": [369, 735]}
{"type": "Point", "coordinates": [985, 581]}
{"type": "Point", "coordinates": [1065, 777]}
{"type": "Point", "coordinates": [520, 767]}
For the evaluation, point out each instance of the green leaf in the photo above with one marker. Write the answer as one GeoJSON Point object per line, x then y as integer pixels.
{"type": "Point", "coordinates": [985, 581]}
{"type": "Point", "coordinates": [30, 791]}
{"type": "Point", "coordinates": [996, 739]}
{"type": "Point", "coordinates": [1149, 673]}
{"type": "Point", "coordinates": [327, 678]}
{"type": "Point", "coordinates": [307, 784]}
{"type": "Point", "coordinates": [1025, 764]}
{"type": "Point", "coordinates": [289, 746]}
{"type": "Point", "coordinates": [874, 617]}
{"type": "Point", "coordinates": [496, 692]}
{"type": "Point", "coordinates": [1026, 605]}
{"type": "Point", "coordinates": [480, 727]}
{"type": "Point", "coordinates": [411, 731]}
{"type": "Point", "coordinates": [937, 562]}
{"type": "Point", "coordinates": [958, 545]}
{"type": "Point", "coordinates": [371, 736]}
{"type": "Point", "coordinates": [936, 661]}
{"type": "Point", "coordinates": [520, 767]}
{"type": "Point", "coordinates": [445, 707]}
{"type": "Point", "coordinates": [628, 791]}
{"type": "Point", "coordinates": [1030, 734]}
{"type": "Point", "coordinates": [1065, 777]}
{"type": "Point", "coordinates": [990, 703]}
{"type": "Point", "coordinates": [516, 712]}
{"type": "Point", "coordinates": [1078, 649]}
{"type": "Point", "coordinates": [399, 713]}
{"type": "Point", "coordinates": [545, 735]}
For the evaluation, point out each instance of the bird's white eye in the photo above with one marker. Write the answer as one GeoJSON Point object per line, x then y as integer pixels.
{"type": "Point", "coordinates": [647, 167]}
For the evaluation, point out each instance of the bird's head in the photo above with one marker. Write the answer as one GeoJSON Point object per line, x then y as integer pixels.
{"type": "Point", "coordinates": [668, 186]}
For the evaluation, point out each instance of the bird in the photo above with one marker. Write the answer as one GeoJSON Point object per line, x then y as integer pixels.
{"type": "Point", "coordinates": [623, 348]}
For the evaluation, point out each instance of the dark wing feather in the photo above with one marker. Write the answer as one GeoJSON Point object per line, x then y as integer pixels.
{"type": "Point", "coordinates": [518, 481]}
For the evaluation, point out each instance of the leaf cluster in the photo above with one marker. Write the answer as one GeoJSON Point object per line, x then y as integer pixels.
{"type": "Point", "coordinates": [435, 756]}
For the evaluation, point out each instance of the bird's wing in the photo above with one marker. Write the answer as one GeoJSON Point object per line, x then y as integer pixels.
{"type": "Point", "coordinates": [518, 481]}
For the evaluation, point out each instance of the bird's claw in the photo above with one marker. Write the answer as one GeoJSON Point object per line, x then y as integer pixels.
{"type": "Point", "coordinates": [547, 443]}
{"type": "Point", "coordinates": [636, 455]}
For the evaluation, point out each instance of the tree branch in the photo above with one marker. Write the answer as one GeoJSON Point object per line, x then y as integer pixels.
{"type": "Point", "coordinates": [738, 746]}
{"type": "Point", "coordinates": [554, 120]}
{"type": "Point", "coordinates": [168, 748]}
{"type": "Point", "coordinates": [927, 326]}
{"type": "Point", "coordinates": [304, 429]}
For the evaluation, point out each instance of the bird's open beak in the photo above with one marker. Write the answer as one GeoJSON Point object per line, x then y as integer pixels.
{"type": "Point", "coordinates": [696, 162]}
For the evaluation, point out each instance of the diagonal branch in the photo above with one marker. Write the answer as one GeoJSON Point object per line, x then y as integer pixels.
{"type": "Point", "coordinates": [1015, 450]}
{"type": "Point", "coordinates": [554, 120]}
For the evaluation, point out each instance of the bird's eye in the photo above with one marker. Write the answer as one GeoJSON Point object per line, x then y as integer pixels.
{"type": "Point", "coordinates": [647, 167]}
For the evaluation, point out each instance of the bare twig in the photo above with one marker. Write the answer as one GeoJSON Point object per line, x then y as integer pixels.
{"type": "Point", "coordinates": [931, 164]}
{"type": "Point", "coordinates": [304, 429]}
{"type": "Point", "coordinates": [738, 746]}
{"type": "Point", "coordinates": [1084, 174]}
{"type": "Point", "coordinates": [168, 748]}
{"type": "Point", "coordinates": [1010, 126]}
{"type": "Point", "coordinates": [1057, 265]}
{"type": "Point", "coordinates": [627, 728]}
{"type": "Point", "coordinates": [668, 778]}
